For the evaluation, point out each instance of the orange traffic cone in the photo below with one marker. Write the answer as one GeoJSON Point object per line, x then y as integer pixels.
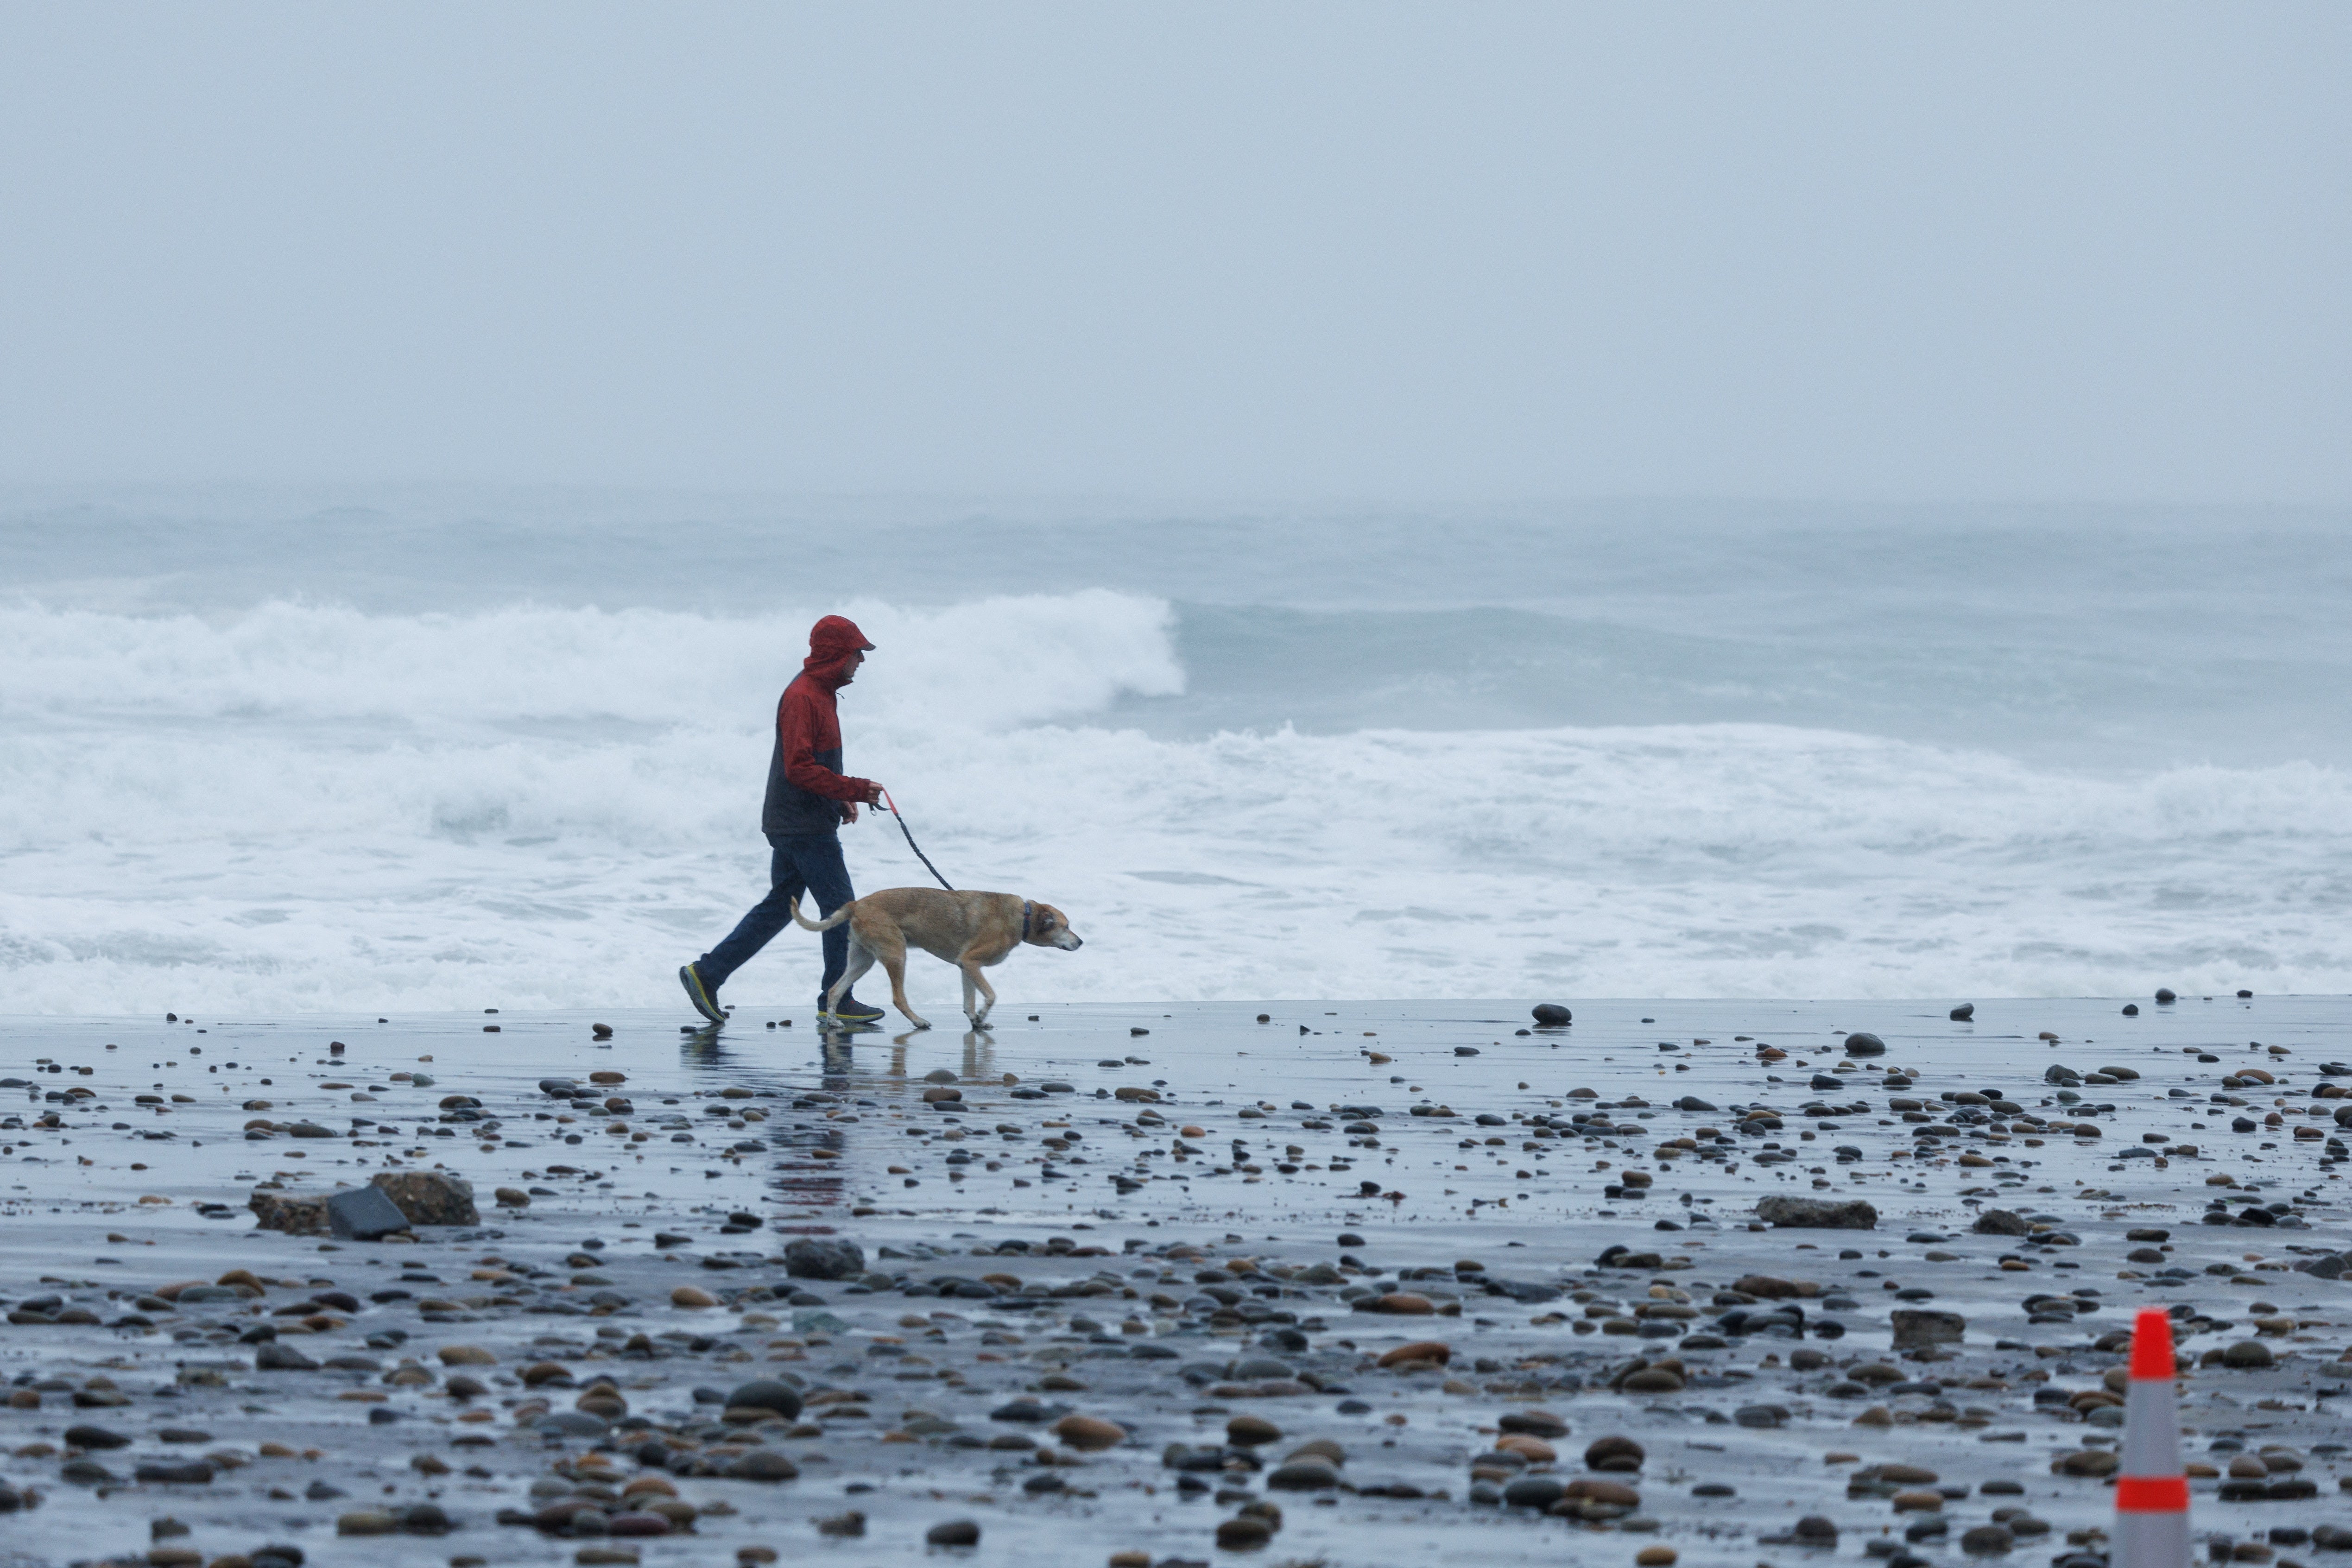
{"type": "Point", "coordinates": [2151, 1492]}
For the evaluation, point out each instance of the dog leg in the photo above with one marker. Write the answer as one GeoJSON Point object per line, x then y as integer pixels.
{"type": "Point", "coordinates": [973, 977]}
{"type": "Point", "coordinates": [861, 959]}
{"type": "Point", "coordinates": [968, 999]}
{"type": "Point", "coordinates": [894, 963]}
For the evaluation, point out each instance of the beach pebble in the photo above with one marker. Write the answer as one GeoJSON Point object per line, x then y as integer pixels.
{"type": "Point", "coordinates": [1614, 1453]}
{"type": "Point", "coordinates": [1251, 1431]}
{"type": "Point", "coordinates": [1304, 1474]}
{"type": "Point", "coordinates": [816, 1257]}
{"type": "Point", "coordinates": [692, 1296]}
{"type": "Point", "coordinates": [86, 1437]}
{"type": "Point", "coordinates": [954, 1532]}
{"type": "Point", "coordinates": [1589, 1499]}
{"type": "Point", "coordinates": [1436, 1351]}
{"type": "Point", "coordinates": [762, 1465]}
{"type": "Point", "coordinates": [1533, 1491]}
{"type": "Point", "coordinates": [1244, 1532]}
{"type": "Point", "coordinates": [185, 1472]}
{"type": "Point", "coordinates": [766, 1393]}
{"type": "Point", "coordinates": [638, 1524]}
{"type": "Point", "coordinates": [1089, 1433]}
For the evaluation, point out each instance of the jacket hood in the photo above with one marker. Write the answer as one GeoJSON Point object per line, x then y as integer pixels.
{"type": "Point", "coordinates": [830, 642]}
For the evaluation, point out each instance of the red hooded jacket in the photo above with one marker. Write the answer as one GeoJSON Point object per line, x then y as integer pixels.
{"type": "Point", "coordinates": [806, 788]}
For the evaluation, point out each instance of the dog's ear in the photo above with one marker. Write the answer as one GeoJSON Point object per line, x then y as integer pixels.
{"type": "Point", "coordinates": [1047, 917]}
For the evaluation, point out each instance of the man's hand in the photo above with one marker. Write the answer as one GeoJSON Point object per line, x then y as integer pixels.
{"type": "Point", "coordinates": [874, 795]}
{"type": "Point", "coordinates": [849, 813]}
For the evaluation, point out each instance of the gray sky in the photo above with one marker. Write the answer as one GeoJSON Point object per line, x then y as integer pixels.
{"type": "Point", "coordinates": [1357, 250]}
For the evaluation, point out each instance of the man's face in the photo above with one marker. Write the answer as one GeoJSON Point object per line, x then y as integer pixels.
{"type": "Point", "coordinates": [849, 668]}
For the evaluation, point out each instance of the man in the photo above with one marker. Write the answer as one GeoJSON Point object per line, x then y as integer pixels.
{"type": "Point", "coordinates": [808, 799]}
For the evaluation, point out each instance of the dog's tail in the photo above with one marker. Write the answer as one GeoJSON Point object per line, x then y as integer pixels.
{"type": "Point", "coordinates": [827, 924]}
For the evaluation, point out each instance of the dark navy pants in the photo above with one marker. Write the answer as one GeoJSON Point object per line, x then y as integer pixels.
{"type": "Point", "coordinates": [802, 864]}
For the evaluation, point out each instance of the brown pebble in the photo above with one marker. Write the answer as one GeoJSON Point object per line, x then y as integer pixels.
{"type": "Point", "coordinates": [1090, 1433]}
{"type": "Point", "coordinates": [1614, 1453]}
{"type": "Point", "coordinates": [1436, 1351]}
{"type": "Point", "coordinates": [1244, 1532]}
{"type": "Point", "coordinates": [1656, 1557]}
{"type": "Point", "coordinates": [691, 1295]}
{"type": "Point", "coordinates": [466, 1355]}
{"type": "Point", "coordinates": [1249, 1431]}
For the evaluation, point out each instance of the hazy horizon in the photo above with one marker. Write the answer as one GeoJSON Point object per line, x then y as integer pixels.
{"type": "Point", "coordinates": [1318, 255]}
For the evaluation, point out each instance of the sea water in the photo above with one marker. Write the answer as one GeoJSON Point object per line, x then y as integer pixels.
{"type": "Point", "coordinates": [263, 753]}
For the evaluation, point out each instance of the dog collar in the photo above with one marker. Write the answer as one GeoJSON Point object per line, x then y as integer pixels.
{"type": "Point", "coordinates": [1025, 907]}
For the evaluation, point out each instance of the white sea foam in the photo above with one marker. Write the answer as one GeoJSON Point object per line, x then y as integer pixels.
{"type": "Point", "coordinates": [304, 806]}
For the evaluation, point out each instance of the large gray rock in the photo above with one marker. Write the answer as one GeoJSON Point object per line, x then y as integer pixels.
{"type": "Point", "coordinates": [2001, 1222]}
{"type": "Point", "coordinates": [1817, 1213]}
{"type": "Point", "coordinates": [823, 1258]}
{"type": "Point", "coordinates": [1917, 1328]}
{"type": "Point", "coordinates": [363, 1214]}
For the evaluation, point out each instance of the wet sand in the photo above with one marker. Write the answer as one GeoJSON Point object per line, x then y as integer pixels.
{"type": "Point", "coordinates": [1055, 1242]}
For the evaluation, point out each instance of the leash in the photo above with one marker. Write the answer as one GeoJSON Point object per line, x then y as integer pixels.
{"type": "Point", "coordinates": [917, 848]}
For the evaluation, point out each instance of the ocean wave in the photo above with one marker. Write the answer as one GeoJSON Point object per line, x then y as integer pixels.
{"type": "Point", "coordinates": [985, 665]}
{"type": "Point", "coordinates": [303, 807]}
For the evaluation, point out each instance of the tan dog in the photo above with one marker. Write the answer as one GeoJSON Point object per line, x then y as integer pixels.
{"type": "Point", "coordinates": [970, 930]}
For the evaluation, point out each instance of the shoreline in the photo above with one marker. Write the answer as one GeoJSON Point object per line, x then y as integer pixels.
{"type": "Point", "coordinates": [1123, 1185]}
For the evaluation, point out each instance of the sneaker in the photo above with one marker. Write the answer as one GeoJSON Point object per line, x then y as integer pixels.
{"type": "Point", "coordinates": [851, 1011]}
{"type": "Point", "coordinates": [704, 997]}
